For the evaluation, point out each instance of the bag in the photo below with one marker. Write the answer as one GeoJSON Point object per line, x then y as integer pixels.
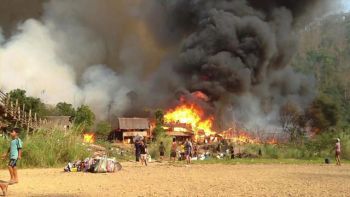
{"type": "Point", "coordinates": [111, 164]}
{"type": "Point", "coordinates": [101, 165]}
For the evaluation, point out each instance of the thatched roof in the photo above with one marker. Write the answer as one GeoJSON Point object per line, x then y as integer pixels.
{"type": "Point", "coordinates": [133, 123]}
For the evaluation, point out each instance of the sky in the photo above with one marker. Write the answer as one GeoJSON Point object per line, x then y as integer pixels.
{"type": "Point", "coordinates": [346, 5]}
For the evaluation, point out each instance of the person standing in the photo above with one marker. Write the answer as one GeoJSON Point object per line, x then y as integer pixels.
{"type": "Point", "coordinates": [337, 151]}
{"type": "Point", "coordinates": [161, 151]}
{"type": "Point", "coordinates": [232, 151]}
{"type": "Point", "coordinates": [137, 150]}
{"type": "Point", "coordinates": [143, 151]}
{"type": "Point", "coordinates": [15, 153]}
{"type": "Point", "coordinates": [188, 151]}
{"type": "Point", "coordinates": [173, 150]}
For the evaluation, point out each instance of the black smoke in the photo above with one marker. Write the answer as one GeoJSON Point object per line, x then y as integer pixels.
{"type": "Point", "coordinates": [234, 49]}
{"type": "Point", "coordinates": [128, 58]}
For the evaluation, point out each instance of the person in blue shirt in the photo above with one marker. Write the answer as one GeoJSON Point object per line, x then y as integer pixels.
{"type": "Point", "coordinates": [15, 154]}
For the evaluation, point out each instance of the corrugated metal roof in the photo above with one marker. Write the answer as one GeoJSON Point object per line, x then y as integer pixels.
{"type": "Point", "coordinates": [133, 123]}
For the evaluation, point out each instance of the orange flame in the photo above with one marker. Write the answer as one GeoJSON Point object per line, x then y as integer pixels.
{"type": "Point", "coordinates": [89, 138]}
{"type": "Point", "coordinates": [190, 114]}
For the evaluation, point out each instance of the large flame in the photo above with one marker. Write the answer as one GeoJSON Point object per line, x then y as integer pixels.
{"type": "Point", "coordinates": [245, 137]}
{"type": "Point", "coordinates": [192, 115]}
{"type": "Point", "coordinates": [89, 138]}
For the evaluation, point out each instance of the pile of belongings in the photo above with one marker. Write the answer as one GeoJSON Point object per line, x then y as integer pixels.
{"type": "Point", "coordinates": [96, 165]}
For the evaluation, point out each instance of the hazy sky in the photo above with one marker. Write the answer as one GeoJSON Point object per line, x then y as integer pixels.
{"type": "Point", "coordinates": [346, 4]}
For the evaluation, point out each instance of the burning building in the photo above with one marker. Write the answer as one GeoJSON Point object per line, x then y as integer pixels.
{"type": "Point", "coordinates": [229, 59]}
{"type": "Point", "coordinates": [128, 128]}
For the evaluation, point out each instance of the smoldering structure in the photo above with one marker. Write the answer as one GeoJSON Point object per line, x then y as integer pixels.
{"type": "Point", "coordinates": [125, 58]}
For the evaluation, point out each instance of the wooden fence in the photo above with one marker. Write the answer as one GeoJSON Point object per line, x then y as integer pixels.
{"type": "Point", "coordinates": [17, 114]}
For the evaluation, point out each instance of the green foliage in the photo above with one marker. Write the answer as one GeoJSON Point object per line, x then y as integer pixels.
{"type": "Point", "coordinates": [49, 148]}
{"type": "Point", "coordinates": [159, 130]}
{"type": "Point", "coordinates": [323, 113]}
{"type": "Point", "coordinates": [84, 116]}
{"type": "Point", "coordinates": [153, 148]}
{"type": "Point", "coordinates": [159, 114]}
{"type": "Point", "coordinates": [31, 103]}
{"type": "Point", "coordinates": [324, 54]}
{"type": "Point", "coordinates": [103, 129]}
{"type": "Point", "coordinates": [320, 146]}
{"type": "Point", "coordinates": [65, 109]}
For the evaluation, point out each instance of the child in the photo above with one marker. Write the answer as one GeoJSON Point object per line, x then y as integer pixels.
{"type": "Point", "coordinates": [161, 151]}
{"type": "Point", "coordinates": [15, 152]}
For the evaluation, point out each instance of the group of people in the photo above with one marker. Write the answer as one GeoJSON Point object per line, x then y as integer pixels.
{"type": "Point", "coordinates": [14, 153]}
{"type": "Point", "coordinates": [141, 151]}
{"type": "Point", "coordinates": [189, 150]}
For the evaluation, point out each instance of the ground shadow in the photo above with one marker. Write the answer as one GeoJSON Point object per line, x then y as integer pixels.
{"type": "Point", "coordinates": [5, 182]}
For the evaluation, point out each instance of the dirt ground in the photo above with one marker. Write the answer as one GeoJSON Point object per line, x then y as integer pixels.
{"type": "Point", "coordinates": [194, 180]}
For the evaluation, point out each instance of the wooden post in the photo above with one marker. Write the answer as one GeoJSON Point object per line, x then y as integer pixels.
{"type": "Point", "coordinates": [16, 106]}
{"type": "Point", "coordinates": [29, 121]}
{"type": "Point", "coordinates": [24, 119]}
{"type": "Point", "coordinates": [35, 121]}
{"type": "Point", "coordinates": [19, 114]}
{"type": "Point", "coordinates": [11, 109]}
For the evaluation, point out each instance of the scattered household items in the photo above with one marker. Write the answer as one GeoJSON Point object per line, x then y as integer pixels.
{"type": "Point", "coordinates": [95, 165]}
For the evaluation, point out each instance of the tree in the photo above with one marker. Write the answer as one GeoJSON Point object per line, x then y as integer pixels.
{"type": "Point", "coordinates": [159, 114]}
{"type": "Point", "coordinates": [65, 109]}
{"type": "Point", "coordinates": [291, 120]}
{"type": "Point", "coordinates": [323, 114]}
{"type": "Point", "coordinates": [103, 129]}
{"type": "Point", "coordinates": [31, 103]}
{"type": "Point", "coordinates": [84, 116]}
{"type": "Point", "coordinates": [159, 130]}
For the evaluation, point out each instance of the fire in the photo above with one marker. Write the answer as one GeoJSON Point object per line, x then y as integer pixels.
{"type": "Point", "coordinates": [272, 141]}
{"type": "Point", "coordinates": [245, 138]}
{"type": "Point", "coordinates": [239, 136]}
{"type": "Point", "coordinates": [192, 115]}
{"type": "Point", "coordinates": [89, 138]}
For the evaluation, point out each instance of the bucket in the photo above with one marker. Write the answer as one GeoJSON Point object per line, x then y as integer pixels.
{"type": "Point", "coordinates": [327, 161]}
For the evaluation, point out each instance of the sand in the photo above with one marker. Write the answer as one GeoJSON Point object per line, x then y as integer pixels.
{"type": "Point", "coordinates": [195, 180]}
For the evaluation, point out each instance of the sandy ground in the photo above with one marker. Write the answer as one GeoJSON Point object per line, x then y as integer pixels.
{"type": "Point", "coordinates": [195, 180]}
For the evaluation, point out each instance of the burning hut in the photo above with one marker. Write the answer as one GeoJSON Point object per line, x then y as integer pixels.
{"type": "Point", "coordinates": [128, 128]}
{"type": "Point", "coordinates": [179, 131]}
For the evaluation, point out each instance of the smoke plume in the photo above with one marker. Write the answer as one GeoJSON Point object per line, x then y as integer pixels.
{"type": "Point", "coordinates": [126, 57]}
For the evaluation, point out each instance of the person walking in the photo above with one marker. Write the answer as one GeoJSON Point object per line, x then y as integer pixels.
{"type": "Point", "coordinates": [337, 151]}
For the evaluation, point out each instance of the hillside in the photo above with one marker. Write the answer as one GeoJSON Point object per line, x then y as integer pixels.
{"type": "Point", "coordinates": [324, 52]}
